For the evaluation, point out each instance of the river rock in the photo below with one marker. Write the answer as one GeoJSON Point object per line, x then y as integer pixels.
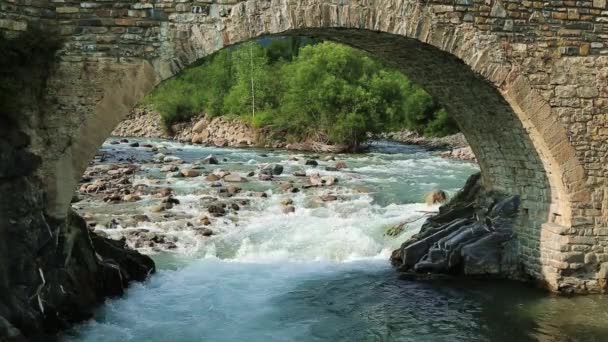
{"type": "Point", "coordinates": [205, 221]}
{"type": "Point", "coordinates": [169, 168]}
{"type": "Point", "coordinates": [234, 178]}
{"type": "Point", "coordinates": [329, 198]}
{"type": "Point", "coordinates": [277, 169]}
{"type": "Point", "coordinates": [190, 173]}
{"type": "Point", "coordinates": [287, 201]}
{"type": "Point", "coordinates": [134, 144]}
{"type": "Point", "coordinates": [204, 231]}
{"type": "Point", "coordinates": [341, 165]}
{"type": "Point", "coordinates": [164, 192]}
{"type": "Point", "coordinates": [299, 174]}
{"type": "Point", "coordinates": [212, 177]}
{"type": "Point", "coordinates": [217, 209]}
{"type": "Point", "coordinates": [311, 162]}
{"type": "Point", "coordinates": [330, 168]}
{"type": "Point", "coordinates": [131, 198]}
{"type": "Point", "coordinates": [233, 190]}
{"type": "Point", "coordinates": [199, 126]}
{"type": "Point", "coordinates": [140, 218]}
{"type": "Point", "coordinates": [329, 180]}
{"type": "Point", "coordinates": [171, 159]}
{"type": "Point", "coordinates": [329, 158]}
{"type": "Point", "coordinates": [264, 177]}
{"type": "Point", "coordinates": [211, 159]}
{"type": "Point", "coordinates": [289, 209]}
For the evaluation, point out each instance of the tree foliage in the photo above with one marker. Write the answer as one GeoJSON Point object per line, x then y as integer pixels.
{"type": "Point", "coordinates": [304, 89]}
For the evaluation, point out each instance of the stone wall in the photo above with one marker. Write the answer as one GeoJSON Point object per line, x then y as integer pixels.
{"type": "Point", "coordinates": [525, 80]}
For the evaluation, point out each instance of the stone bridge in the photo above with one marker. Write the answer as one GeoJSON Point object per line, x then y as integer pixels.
{"type": "Point", "coordinates": [526, 81]}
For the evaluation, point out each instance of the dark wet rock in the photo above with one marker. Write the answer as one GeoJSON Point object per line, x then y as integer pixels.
{"type": "Point", "coordinates": [216, 185]}
{"type": "Point", "coordinates": [210, 159]}
{"type": "Point", "coordinates": [147, 145]}
{"type": "Point", "coordinates": [277, 169]}
{"type": "Point", "coordinates": [470, 235]}
{"type": "Point", "coordinates": [217, 209]}
{"type": "Point", "coordinates": [171, 200]}
{"type": "Point", "coordinates": [330, 168]}
{"type": "Point", "coordinates": [124, 141]}
{"type": "Point", "coordinates": [299, 174]}
{"type": "Point", "coordinates": [251, 174]}
{"type": "Point", "coordinates": [134, 144]}
{"type": "Point", "coordinates": [204, 231]}
{"type": "Point", "coordinates": [311, 162]}
{"type": "Point", "coordinates": [114, 142]}
{"type": "Point", "coordinates": [235, 207]}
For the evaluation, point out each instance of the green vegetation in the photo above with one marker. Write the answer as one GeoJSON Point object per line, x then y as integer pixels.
{"type": "Point", "coordinates": [303, 89]}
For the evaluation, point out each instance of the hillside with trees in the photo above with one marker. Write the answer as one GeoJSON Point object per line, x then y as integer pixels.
{"type": "Point", "coordinates": [302, 89]}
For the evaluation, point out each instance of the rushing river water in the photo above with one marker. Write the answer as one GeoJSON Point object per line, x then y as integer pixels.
{"type": "Point", "coordinates": [321, 273]}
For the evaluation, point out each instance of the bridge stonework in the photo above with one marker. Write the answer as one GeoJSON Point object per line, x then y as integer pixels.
{"type": "Point", "coordinates": [525, 80]}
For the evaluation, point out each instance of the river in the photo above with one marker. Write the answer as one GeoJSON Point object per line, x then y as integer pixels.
{"type": "Point", "coordinates": [318, 274]}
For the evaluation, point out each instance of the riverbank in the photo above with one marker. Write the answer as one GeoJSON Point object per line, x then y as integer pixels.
{"type": "Point", "coordinates": [222, 132]}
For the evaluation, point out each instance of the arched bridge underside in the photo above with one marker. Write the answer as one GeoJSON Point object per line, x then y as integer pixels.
{"type": "Point", "coordinates": [525, 81]}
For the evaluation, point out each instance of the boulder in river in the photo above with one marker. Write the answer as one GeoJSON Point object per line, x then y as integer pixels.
{"type": "Point", "coordinates": [341, 165]}
{"type": "Point", "coordinates": [436, 197]}
{"type": "Point", "coordinates": [217, 209]}
{"type": "Point", "coordinates": [234, 178]}
{"type": "Point", "coordinates": [264, 177]}
{"type": "Point", "coordinates": [211, 159]}
{"type": "Point", "coordinates": [471, 235]}
{"type": "Point", "coordinates": [204, 231]}
{"type": "Point", "coordinates": [169, 168]}
{"type": "Point", "coordinates": [190, 173]}
{"type": "Point", "coordinates": [277, 169]}
{"type": "Point", "coordinates": [134, 144]}
{"type": "Point", "coordinates": [311, 162]}
{"type": "Point", "coordinates": [212, 177]}
{"type": "Point", "coordinates": [329, 198]}
{"type": "Point", "coordinates": [289, 209]}
{"type": "Point", "coordinates": [171, 159]}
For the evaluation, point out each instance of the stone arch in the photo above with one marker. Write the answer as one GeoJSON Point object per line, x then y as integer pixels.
{"type": "Point", "coordinates": [501, 89]}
